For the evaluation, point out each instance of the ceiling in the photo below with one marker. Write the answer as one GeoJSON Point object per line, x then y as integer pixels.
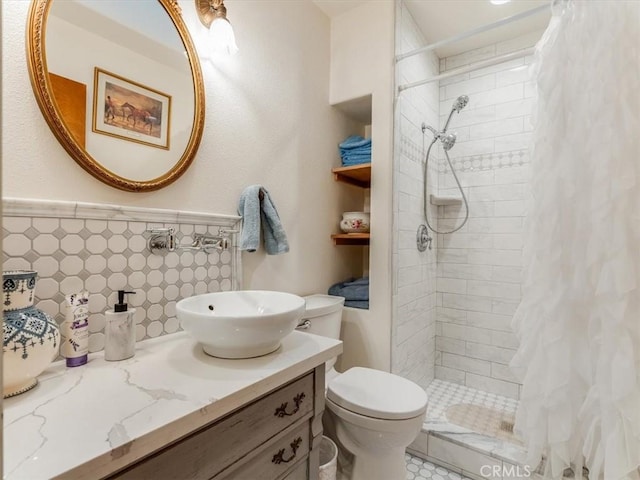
{"type": "Point", "coordinates": [440, 19]}
{"type": "Point", "coordinates": [333, 8]}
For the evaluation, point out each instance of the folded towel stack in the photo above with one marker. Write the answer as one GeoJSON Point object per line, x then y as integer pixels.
{"type": "Point", "coordinates": [355, 150]}
{"type": "Point", "coordinates": [355, 292]}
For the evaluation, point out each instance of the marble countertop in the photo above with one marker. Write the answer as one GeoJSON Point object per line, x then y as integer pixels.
{"type": "Point", "coordinates": [89, 421]}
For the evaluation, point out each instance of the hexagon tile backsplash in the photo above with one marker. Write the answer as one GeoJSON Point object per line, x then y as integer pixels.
{"type": "Point", "coordinates": [103, 248]}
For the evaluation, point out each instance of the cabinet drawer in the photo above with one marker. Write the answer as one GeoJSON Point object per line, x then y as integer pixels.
{"type": "Point", "coordinates": [278, 457]}
{"type": "Point", "coordinates": [299, 473]}
{"type": "Point", "coordinates": [207, 452]}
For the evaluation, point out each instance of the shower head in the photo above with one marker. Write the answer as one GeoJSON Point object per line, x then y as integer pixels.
{"type": "Point", "coordinates": [460, 103]}
{"type": "Point", "coordinates": [448, 141]}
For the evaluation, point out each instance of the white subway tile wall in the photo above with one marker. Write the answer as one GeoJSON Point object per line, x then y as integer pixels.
{"type": "Point", "coordinates": [103, 256]}
{"type": "Point", "coordinates": [479, 267]}
{"type": "Point", "coordinates": [414, 272]}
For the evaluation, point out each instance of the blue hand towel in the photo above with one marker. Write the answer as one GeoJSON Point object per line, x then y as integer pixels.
{"type": "Point", "coordinates": [260, 215]}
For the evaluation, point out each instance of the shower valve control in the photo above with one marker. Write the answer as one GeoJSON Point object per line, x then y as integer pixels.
{"type": "Point", "coordinates": [423, 239]}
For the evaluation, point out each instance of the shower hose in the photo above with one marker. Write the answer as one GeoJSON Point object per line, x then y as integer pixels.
{"type": "Point", "coordinates": [426, 196]}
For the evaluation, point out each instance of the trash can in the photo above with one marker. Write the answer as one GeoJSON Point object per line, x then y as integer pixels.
{"type": "Point", "coordinates": [328, 459]}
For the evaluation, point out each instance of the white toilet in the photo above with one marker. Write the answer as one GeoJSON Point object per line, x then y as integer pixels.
{"type": "Point", "coordinates": [373, 415]}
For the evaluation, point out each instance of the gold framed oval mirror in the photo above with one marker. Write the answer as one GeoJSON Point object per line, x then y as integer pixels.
{"type": "Point", "coordinates": [120, 85]}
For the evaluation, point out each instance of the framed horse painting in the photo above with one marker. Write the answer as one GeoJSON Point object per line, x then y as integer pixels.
{"type": "Point", "coordinates": [129, 110]}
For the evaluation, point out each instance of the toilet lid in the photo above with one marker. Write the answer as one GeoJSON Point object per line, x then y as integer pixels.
{"type": "Point", "coordinates": [377, 394]}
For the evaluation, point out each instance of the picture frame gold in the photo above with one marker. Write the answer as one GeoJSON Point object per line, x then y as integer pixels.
{"type": "Point", "coordinates": [128, 110]}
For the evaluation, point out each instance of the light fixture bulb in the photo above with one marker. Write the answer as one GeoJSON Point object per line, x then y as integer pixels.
{"type": "Point", "coordinates": [222, 40]}
{"type": "Point", "coordinates": [499, 2]}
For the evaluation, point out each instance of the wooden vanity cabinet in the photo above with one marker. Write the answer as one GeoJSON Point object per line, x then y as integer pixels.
{"type": "Point", "coordinates": [275, 437]}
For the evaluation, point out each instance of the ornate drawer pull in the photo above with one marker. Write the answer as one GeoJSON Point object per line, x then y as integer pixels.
{"type": "Point", "coordinates": [281, 411]}
{"type": "Point", "coordinates": [278, 458]}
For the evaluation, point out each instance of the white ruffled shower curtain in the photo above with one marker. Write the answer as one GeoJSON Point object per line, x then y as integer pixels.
{"type": "Point", "coordinates": [579, 319]}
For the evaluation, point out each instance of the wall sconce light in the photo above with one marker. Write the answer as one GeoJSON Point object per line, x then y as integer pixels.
{"type": "Point", "coordinates": [213, 15]}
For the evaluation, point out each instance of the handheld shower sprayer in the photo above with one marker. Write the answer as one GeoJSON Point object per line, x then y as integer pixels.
{"type": "Point", "coordinates": [448, 141]}
{"type": "Point", "coordinates": [460, 103]}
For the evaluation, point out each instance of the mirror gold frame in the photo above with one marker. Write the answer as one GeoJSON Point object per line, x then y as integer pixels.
{"type": "Point", "coordinates": [42, 88]}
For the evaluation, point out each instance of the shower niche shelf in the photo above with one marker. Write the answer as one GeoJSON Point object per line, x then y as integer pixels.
{"type": "Point", "coordinates": [358, 175]}
{"type": "Point", "coordinates": [443, 200]}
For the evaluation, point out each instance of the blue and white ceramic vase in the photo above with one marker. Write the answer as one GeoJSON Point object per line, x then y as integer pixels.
{"type": "Point", "coordinates": [31, 337]}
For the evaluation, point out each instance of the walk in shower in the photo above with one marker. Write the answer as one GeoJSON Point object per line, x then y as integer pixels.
{"type": "Point", "coordinates": [461, 168]}
{"type": "Point", "coordinates": [554, 299]}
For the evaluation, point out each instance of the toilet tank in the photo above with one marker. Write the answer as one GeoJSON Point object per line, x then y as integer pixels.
{"type": "Point", "coordinates": [323, 316]}
{"type": "Point", "coordinates": [324, 313]}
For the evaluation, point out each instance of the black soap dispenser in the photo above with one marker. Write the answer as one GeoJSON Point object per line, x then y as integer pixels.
{"type": "Point", "coordinates": [120, 333]}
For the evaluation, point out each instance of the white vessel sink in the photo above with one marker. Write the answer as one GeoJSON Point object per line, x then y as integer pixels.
{"type": "Point", "coordinates": [240, 324]}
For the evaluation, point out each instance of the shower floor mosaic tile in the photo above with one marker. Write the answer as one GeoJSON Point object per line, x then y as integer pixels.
{"type": "Point", "coordinates": [443, 394]}
{"type": "Point", "coordinates": [419, 469]}
{"type": "Point", "coordinates": [469, 418]}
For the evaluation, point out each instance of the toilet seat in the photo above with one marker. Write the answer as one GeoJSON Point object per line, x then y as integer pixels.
{"type": "Point", "coordinates": [373, 424]}
{"type": "Point", "coordinates": [377, 394]}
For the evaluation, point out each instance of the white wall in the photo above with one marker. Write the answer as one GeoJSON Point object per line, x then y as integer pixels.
{"type": "Point", "coordinates": [361, 65]}
{"type": "Point", "coordinates": [268, 121]}
{"type": "Point", "coordinates": [479, 267]}
{"type": "Point", "coordinates": [414, 272]}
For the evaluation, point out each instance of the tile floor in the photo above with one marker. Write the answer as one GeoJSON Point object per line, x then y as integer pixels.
{"type": "Point", "coordinates": [419, 469]}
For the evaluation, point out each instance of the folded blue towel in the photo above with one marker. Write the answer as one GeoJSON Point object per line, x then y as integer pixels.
{"type": "Point", "coordinates": [348, 163]}
{"type": "Point", "coordinates": [359, 281]}
{"type": "Point", "coordinates": [355, 141]}
{"type": "Point", "coordinates": [365, 148]}
{"type": "Point", "coordinates": [355, 151]}
{"type": "Point", "coordinates": [356, 156]}
{"type": "Point", "coordinates": [260, 214]}
{"type": "Point", "coordinates": [357, 304]}
{"type": "Point", "coordinates": [352, 290]}
{"type": "Point", "coordinates": [364, 156]}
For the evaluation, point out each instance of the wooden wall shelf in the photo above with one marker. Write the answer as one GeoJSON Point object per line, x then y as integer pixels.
{"type": "Point", "coordinates": [350, 238]}
{"type": "Point", "coordinates": [358, 175]}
